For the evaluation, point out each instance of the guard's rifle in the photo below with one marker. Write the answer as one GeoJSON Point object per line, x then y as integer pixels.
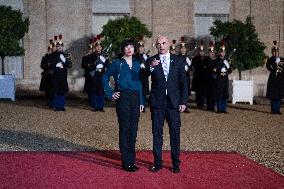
{"type": "Point", "coordinates": [231, 54]}
{"type": "Point", "coordinates": [192, 52]}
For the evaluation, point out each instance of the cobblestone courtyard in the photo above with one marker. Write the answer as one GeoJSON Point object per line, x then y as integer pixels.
{"type": "Point", "coordinates": [28, 125]}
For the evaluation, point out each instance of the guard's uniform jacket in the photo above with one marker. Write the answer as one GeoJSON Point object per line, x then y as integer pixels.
{"type": "Point", "coordinates": [46, 75]}
{"type": "Point", "coordinates": [222, 79]}
{"type": "Point", "coordinates": [144, 80]}
{"type": "Point", "coordinates": [275, 85]}
{"type": "Point", "coordinates": [60, 65]}
{"type": "Point", "coordinates": [187, 69]}
{"type": "Point", "coordinates": [87, 70]}
{"type": "Point", "coordinates": [97, 65]}
{"type": "Point", "coordinates": [200, 74]}
{"type": "Point", "coordinates": [211, 92]}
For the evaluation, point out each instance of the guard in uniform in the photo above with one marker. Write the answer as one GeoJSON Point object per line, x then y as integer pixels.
{"type": "Point", "coordinates": [211, 92]}
{"type": "Point", "coordinates": [60, 62]}
{"type": "Point", "coordinates": [173, 47]}
{"type": "Point", "coordinates": [97, 62]}
{"type": "Point", "coordinates": [200, 64]}
{"type": "Point", "coordinates": [223, 69]}
{"type": "Point", "coordinates": [141, 56]}
{"type": "Point", "coordinates": [46, 75]}
{"type": "Point", "coordinates": [187, 66]}
{"type": "Point", "coordinates": [87, 70]}
{"type": "Point", "coordinates": [275, 85]}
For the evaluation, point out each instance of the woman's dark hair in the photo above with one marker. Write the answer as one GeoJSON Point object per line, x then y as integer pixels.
{"type": "Point", "coordinates": [125, 43]}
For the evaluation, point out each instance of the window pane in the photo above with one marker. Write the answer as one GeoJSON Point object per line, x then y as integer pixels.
{"type": "Point", "coordinates": [203, 23]}
{"type": "Point", "coordinates": [111, 6]}
{"type": "Point", "coordinates": [212, 7]}
{"type": "Point", "coordinates": [104, 10]}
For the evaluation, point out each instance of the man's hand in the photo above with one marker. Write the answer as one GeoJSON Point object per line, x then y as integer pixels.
{"type": "Point", "coordinates": [182, 108]}
{"type": "Point", "coordinates": [155, 63]}
{"type": "Point", "coordinates": [116, 95]}
{"type": "Point", "coordinates": [141, 108]}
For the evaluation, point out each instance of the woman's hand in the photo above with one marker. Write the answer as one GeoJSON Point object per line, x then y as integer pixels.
{"type": "Point", "coordinates": [141, 108]}
{"type": "Point", "coordinates": [115, 95]}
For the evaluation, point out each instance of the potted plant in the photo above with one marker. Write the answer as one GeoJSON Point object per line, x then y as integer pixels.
{"type": "Point", "coordinates": [245, 51]}
{"type": "Point", "coordinates": [12, 28]}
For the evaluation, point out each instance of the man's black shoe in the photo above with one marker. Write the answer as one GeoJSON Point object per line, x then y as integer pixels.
{"type": "Point", "coordinates": [130, 168]}
{"type": "Point", "coordinates": [175, 169]}
{"type": "Point", "coordinates": [155, 169]}
{"type": "Point", "coordinates": [134, 167]}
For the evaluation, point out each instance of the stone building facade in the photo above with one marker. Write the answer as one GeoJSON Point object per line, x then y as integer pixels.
{"type": "Point", "coordinates": [79, 19]}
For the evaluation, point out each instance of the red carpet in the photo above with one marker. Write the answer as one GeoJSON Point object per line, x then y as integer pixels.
{"type": "Point", "coordinates": [102, 170]}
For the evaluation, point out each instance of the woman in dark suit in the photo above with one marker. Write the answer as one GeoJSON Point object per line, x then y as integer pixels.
{"type": "Point", "coordinates": [129, 101]}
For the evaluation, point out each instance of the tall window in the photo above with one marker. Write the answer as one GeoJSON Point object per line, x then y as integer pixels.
{"type": "Point", "coordinates": [206, 12]}
{"type": "Point", "coordinates": [14, 65]}
{"type": "Point", "coordinates": [104, 10]}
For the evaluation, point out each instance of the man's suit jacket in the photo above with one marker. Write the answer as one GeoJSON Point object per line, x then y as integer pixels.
{"type": "Point", "coordinates": [176, 83]}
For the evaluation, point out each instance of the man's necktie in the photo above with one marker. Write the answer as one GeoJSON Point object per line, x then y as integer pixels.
{"type": "Point", "coordinates": [165, 66]}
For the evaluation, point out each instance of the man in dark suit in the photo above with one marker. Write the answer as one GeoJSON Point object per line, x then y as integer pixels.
{"type": "Point", "coordinates": [168, 98]}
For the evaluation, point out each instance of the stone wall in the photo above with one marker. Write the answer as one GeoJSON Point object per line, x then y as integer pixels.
{"type": "Point", "coordinates": [268, 19]}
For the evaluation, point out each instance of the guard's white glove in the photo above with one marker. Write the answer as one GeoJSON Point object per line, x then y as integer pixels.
{"type": "Point", "coordinates": [100, 66]}
{"type": "Point", "coordinates": [142, 65]}
{"type": "Point", "coordinates": [102, 59]}
{"type": "Point", "coordinates": [188, 61]}
{"type": "Point", "coordinates": [186, 68]}
{"type": "Point", "coordinates": [223, 70]}
{"type": "Point", "coordinates": [141, 108]}
{"type": "Point", "coordinates": [145, 56]}
{"type": "Point", "coordinates": [277, 60]}
{"type": "Point", "coordinates": [59, 65]}
{"type": "Point", "coordinates": [226, 64]}
{"type": "Point", "coordinates": [62, 58]}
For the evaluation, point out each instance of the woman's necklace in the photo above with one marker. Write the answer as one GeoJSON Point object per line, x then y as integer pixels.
{"type": "Point", "coordinates": [129, 62]}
